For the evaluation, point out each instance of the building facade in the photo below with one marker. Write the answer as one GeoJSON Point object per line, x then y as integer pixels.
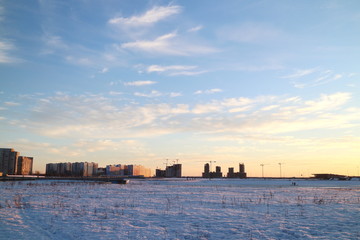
{"type": "Point", "coordinates": [77, 169]}
{"type": "Point", "coordinates": [128, 170]}
{"type": "Point", "coordinates": [11, 163]}
{"type": "Point", "coordinates": [170, 171]}
{"type": "Point", "coordinates": [24, 165]}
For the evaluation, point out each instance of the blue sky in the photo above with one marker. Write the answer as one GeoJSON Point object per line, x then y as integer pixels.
{"type": "Point", "coordinates": [258, 82]}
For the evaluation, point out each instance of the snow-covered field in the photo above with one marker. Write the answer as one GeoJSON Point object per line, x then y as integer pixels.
{"type": "Point", "coordinates": [181, 209]}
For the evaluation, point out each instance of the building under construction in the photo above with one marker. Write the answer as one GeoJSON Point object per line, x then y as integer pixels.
{"type": "Point", "coordinates": [170, 171]}
{"type": "Point", "coordinates": [240, 174]}
{"type": "Point", "coordinates": [208, 174]}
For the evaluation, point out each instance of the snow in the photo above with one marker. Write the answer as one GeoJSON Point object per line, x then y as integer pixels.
{"type": "Point", "coordinates": [180, 209]}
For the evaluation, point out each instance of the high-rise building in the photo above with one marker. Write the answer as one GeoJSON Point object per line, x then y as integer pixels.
{"type": "Point", "coordinates": [8, 160]}
{"type": "Point", "coordinates": [240, 174]}
{"type": "Point", "coordinates": [11, 163]}
{"type": "Point", "coordinates": [170, 171]}
{"type": "Point", "coordinates": [173, 171]}
{"type": "Point", "coordinates": [208, 174]}
{"type": "Point", "coordinates": [24, 165]}
{"type": "Point", "coordinates": [138, 170]}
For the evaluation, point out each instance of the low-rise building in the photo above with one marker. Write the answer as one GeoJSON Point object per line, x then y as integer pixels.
{"type": "Point", "coordinates": [77, 169]}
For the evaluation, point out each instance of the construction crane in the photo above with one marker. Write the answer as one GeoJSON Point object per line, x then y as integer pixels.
{"type": "Point", "coordinates": [280, 169]}
{"type": "Point", "coordinates": [210, 163]}
{"type": "Point", "coordinates": [167, 161]}
{"type": "Point", "coordinates": [262, 170]}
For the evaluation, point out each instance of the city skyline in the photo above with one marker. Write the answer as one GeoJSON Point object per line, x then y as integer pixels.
{"type": "Point", "coordinates": [273, 85]}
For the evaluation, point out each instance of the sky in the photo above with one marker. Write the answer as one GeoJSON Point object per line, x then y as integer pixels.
{"type": "Point", "coordinates": [149, 82]}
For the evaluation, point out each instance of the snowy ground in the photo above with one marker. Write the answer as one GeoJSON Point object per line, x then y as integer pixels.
{"type": "Point", "coordinates": [180, 209]}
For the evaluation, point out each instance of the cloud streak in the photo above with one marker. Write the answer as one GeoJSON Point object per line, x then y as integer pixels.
{"type": "Point", "coordinates": [167, 44]}
{"type": "Point", "coordinates": [312, 77]}
{"type": "Point", "coordinates": [209, 91]}
{"type": "Point", "coordinates": [5, 48]}
{"type": "Point", "coordinates": [175, 70]}
{"type": "Point", "coordinates": [151, 16]}
{"type": "Point", "coordinates": [139, 83]}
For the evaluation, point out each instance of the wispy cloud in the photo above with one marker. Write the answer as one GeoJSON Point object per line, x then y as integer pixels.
{"type": "Point", "coordinates": [5, 48]}
{"type": "Point", "coordinates": [152, 94]}
{"type": "Point", "coordinates": [175, 70]}
{"type": "Point", "coordinates": [196, 29]}
{"type": "Point", "coordinates": [153, 15]}
{"type": "Point", "coordinates": [301, 73]}
{"type": "Point", "coordinates": [209, 91]}
{"type": "Point", "coordinates": [312, 77]}
{"type": "Point", "coordinates": [250, 32]}
{"type": "Point", "coordinates": [168, 44]}
{"type": "Point", "coordinates": [175, 94]}
{"type": "Point", "coordinates": [12, 104]}
{"type": "Point", "coordinates": [104, 70]}
{"type": "Point", "coordinates": [158, 68]}
{"type": "Point", "coordinates": [139, 83]}
{"type": "Point", "coordinates": [84, 61]}
{"type": "Point", "coordinates": [114, 93]}
{"type": "Point", "coordinates": [54, 41]}
{"type": "Point", "coordinates": [155, 93]}
{"type": "Point", "coordinates": [2, 13]}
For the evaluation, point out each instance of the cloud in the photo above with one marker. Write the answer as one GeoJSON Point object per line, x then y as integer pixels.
{"type": "Point", "coordinates": [161, 44]}
{"type": "Point", "coordinates": [175, 94]}
{"type": "Point", "coordinates": [196, 29]}
{"type": "Point", "coordinates": [92, 115]}
{"type": "Point", "coordinates": [108, 145]}
{"type": "Point", "coordinates": [269, 108]}
{"type": "Point", "coordinates": [2, 10]}
{"type": "Point", "coordinates": [104, 70]}
{"type": "Point", "coordinates": [98, 116]}
{"type": "Point", "coordinates": [5, 48]}
{"type": "Point", "coordinates": [209, 91]}
{"type": "Point", "coordinates": [158, 68]}
{"type": "Point", "coordinates": [175, 70]}
{"type": "Point", "coordinates": [301, 73]}
{"type": "Point", "coordinates": [54, 41]}
{"type": "Point", "coordinates": [85, 61]}
{"type": "Point", "coordinates": [113, 93]}
{"type": "Point", "coordinates": [239, 109]}
{"type": "Point", "coordinates": [12, 104]}
{"type": "Point", "coordinates": [152, 94]}
{"type": "Point", "coordinates": [250, 32]}
{"type": "Point", "coordinates": [152, 16]}
{"type": "Point", "coordinates": [139, 83]}
{"type": "Point", "coordinates": [155, 93]}
{"type": "Point", "coordinates": [206, 108]}
{"type": "Point", "coordinates": [325, 103]}
{"type": "Point", "coordinates": [312, 77]}
{"type": "Point", "coordinates": [168, 44]}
